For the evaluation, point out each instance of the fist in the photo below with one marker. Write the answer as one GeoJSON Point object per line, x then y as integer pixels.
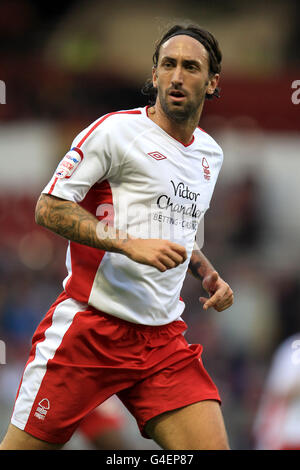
{"type": "Point", "coordinates": [161, 254]}
{"type": "Point", "coordinates": [220, 294]}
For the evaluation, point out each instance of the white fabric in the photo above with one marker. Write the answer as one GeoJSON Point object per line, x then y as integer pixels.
{"type": "Point", "coordinates": [35, 370]}
{"type": "Point", "coordinates": [278, 419]}
{"type": "Point", "coordinates": [160, 196]}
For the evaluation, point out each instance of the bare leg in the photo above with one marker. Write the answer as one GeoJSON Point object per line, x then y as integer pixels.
{"type": "Point", "coordinates": [199, 426]}
{"type": "Point", "coordinates": [16, 439]}
{"type": "Point", "coordinates": [110, 440]}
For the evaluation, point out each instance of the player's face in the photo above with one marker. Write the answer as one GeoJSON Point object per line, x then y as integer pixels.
{"type": "Point", "coordinates": [182, 77]}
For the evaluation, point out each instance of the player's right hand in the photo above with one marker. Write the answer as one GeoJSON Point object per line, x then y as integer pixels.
{"type": "Point", "coordinates": [161, 254]}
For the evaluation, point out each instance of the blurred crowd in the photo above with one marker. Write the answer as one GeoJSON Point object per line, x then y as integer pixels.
{"type": "Point", "coordinates": [239, 343]}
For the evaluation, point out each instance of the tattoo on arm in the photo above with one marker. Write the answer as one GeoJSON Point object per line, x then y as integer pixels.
{"type": "Point", "coordinates": [199, 265]}
{"type": "Point", "coordinates": [71, 221]}
{"type": "Point", "coordinates": [195, 268]}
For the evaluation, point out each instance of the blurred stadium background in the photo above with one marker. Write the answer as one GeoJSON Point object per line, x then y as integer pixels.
{"type": "Point", "coordinates": [64, 65]}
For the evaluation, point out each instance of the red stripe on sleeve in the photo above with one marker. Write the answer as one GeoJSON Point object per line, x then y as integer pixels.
{"type": "Point", "coordinates": [100, 122]}
{"type": "Point", "coordinates": [52, 186]}
{"type": "Point", "coordinates": [79, 151]}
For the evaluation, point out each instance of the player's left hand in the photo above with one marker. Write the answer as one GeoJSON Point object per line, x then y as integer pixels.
{"type": "Point", "coordinates": [220, 294]}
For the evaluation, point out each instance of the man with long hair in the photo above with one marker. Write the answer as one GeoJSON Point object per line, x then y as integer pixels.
{"type": "Point", "coordinates": [129, 197]}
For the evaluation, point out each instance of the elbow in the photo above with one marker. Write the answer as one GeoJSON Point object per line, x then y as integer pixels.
{"type": "Point", "coordinates": [37, 217]}
{"type": "Point", "coordinates": [39, 210]}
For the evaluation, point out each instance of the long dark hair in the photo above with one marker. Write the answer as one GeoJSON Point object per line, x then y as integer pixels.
{"type": "Point", "coordinates": [209, 42]}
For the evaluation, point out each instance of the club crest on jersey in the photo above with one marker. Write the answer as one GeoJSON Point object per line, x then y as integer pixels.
{"type": "Point", "coordinates": [69, 163]}
{"type": "Point", "coordinates": [206, 171]}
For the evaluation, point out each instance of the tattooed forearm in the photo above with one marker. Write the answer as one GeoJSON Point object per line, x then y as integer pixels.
{"type": "Point", "coordinates": [194, 268]}
{"type": "Point", "coordinates": [69, 220]}
{"type": "Point", "coordinates": [199, 265]}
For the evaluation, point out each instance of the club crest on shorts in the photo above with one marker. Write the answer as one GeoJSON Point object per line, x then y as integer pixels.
{"type": "Point", "coordinates": [69, 163]}
{"type": "Point", "coordinates": [42, 409]}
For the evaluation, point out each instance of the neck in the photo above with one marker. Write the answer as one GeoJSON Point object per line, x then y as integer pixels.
{"type": "Point", "coordinates": [182, 131]}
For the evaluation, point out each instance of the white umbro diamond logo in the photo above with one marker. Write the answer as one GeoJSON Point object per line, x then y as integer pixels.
{"type": "Point", "coordinates": [157, 155]}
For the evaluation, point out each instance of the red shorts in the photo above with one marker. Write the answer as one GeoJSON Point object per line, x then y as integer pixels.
{"type": "Point", "coordinates": [81, 356]}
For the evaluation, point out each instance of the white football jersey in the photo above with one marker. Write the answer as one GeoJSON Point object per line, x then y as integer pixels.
{"type": "Point", "coordinates": [277, 424]}
{"type": "Point", "coordinates": [128, 172]}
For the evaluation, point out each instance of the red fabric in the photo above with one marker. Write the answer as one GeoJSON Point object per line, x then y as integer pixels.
{"type": "Point", "coordinates": [52, 186]}
{"type": "Point", "coordinates": [290, 447]}
{"type": "Point", "coordinates": [152, 369]}
{"type": "Point", "coordinates": [40, 333]}
{"type": "Point", "coordinates": [85, 260]}
{"type": "Point", "coordinates": [97, 422]}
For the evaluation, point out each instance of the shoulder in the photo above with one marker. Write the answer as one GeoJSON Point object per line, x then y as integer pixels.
{"type": "Point", "coordinates": [202, 136]}
{"type": "Point", "coordinates": [107, 124]}
{"type": "Point", "coordinates": [118, 117]}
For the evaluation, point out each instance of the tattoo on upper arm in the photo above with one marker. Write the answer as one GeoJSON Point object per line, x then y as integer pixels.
{"type": "Point", "coordinates": [68, 219]}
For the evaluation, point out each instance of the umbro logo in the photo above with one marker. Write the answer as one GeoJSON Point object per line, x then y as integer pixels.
{"type": "Point", "coordinates": [157, 155]}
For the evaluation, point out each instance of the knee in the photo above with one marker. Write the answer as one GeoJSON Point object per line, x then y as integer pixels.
{"type": "Point", "coordinates": [223, 446]}
{"type": "Point", "coordinates": [17, 439]}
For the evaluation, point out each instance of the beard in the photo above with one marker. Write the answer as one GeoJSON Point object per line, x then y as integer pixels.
{"type": "Point", "coordinates": [181, 112]}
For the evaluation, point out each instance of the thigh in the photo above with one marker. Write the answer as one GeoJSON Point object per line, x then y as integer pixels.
{"type": "Point", "coordinates": [199, 426]}
{"type": "Point", "coordinates": [68, 374]}
{"type": "Point", "coordinates": [183, 382]}
{"type": "Point", "coordinates": [16, 439]}
{"type": "Point", "coordinates": [103, 425]}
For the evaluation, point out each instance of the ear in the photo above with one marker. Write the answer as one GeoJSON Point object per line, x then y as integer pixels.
{"type": "Point", "coordinates": [212, 83]}
{"type": "Point", "coordinates": [154, 76]}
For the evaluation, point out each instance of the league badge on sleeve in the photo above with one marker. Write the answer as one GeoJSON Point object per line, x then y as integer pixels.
{"type": "Point", "coordinates": [69, 163]}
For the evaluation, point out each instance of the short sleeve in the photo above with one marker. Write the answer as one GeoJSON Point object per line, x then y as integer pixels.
{"type": "Point", "coordinates": [285, 369]}
{"type": "Point", "coordinates": [89, 160]}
